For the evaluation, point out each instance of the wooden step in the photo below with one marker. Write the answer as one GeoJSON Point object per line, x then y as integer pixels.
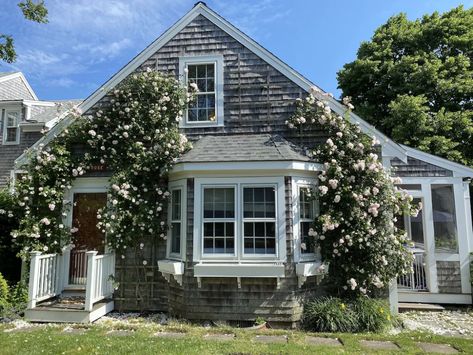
{"type": "Point", "coordinates": [54, 314]}
{"type": "Point", "coordinates": [405, 307]}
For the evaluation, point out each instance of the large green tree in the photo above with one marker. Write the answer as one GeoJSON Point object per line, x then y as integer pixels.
{"type": "Point", "coordinates": [33, 11]}
{"type": "Point", "coordinates": [414, 81]}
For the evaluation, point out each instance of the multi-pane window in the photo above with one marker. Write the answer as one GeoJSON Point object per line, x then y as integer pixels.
{"type": "Point", "coordinates": [259, 220]}
{"type": "Point", "coordinates": [176, 221]}
{"type": "Point", "coordinates": [219, 220]}
{"type": "Point", "coordinates": [306, 219]}
{"type": "Point", "coordinates": [202, 108]}
{"type": "Point", "coordinates": [445, 224]}
{"type": "Point", "coordinates": [11, 133]}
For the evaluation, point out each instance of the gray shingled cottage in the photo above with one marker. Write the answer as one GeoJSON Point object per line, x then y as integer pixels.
{"type": "Point", "coordinates": [239, 209]}
{"type": "Point", "coordinates": [22, 117]}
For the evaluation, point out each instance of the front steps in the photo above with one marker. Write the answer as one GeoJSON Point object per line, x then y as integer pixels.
{"type": "Point", "coordinates": [406, 307]}
{"type": "Point", "coordinates": [68, 308]}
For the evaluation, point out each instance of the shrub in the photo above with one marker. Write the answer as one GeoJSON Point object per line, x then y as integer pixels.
{"type": "Point", "coordinates": [331, 314]}
{"type": "Point", "coordinates": [373, 315]}
{"type": "Point", "coordinates": [3, 294]}
{"type": "Point", "coordinates": [18, 297]}
{"type": "Point", "coordinates": [328, 314]}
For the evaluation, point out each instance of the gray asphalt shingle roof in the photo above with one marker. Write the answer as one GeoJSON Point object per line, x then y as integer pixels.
{"type": "Point", "coordinates": [46, 113]}
{"type": "Point", "coordinates": [249, 147]}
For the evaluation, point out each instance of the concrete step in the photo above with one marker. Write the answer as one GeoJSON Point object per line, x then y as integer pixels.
{"type": "Point", "coordinates": [407, 306]}
{"type": "Point", "coordinates": [45, 314]}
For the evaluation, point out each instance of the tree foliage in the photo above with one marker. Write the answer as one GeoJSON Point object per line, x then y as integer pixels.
{"type": "Point", "coordinates": [36, 12]}
{"type": "Point", "coordinates": [414, 81]}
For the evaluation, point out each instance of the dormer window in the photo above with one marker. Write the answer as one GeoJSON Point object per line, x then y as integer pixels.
{"type": "Point", "coordinates": [205, 73]}
{"type": "Point", "coordinates": [11, 128]}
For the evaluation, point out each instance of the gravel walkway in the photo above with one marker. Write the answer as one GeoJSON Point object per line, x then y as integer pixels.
{"type": "Point", "coordinates": [453, 323]}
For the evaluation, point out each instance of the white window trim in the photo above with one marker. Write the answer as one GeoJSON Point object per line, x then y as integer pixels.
{"type": "Point", "coordinates": [297, 184]}
{"type": "Point", "coordinates": [278, 182]}
{"type": "Point", "coordinates": [5, 123]}
{"type": "Point", "coordinates": [182, 186]}
{"type": "Point", "coordinates": [205, 59]}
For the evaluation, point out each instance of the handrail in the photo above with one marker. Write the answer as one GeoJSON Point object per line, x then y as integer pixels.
{"type": "Point", "coordinates": [100, 269]}
{"type": "Point", "coordinates": [45, 277]}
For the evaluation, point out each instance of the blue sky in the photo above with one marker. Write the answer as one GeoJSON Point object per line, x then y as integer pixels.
{"type": "Point", "coordinates": [87, 41]}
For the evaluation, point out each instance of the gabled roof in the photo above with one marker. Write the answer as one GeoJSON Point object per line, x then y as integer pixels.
{"type": "Point", "coordinates": [390, 148]}
{"type": "Point", "coordinates": [12, 75]}
{"type": "Point", "coordinates": [242, 147]}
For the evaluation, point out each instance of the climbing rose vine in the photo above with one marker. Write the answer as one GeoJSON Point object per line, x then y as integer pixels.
{"type": "Point", "coordinates": [135, 136]}
{"type": "Point", "coordinates": [358, 201]}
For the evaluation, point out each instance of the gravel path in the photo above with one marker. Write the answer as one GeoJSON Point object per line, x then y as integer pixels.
{"type": "Point", "coordinates": [453, 323]}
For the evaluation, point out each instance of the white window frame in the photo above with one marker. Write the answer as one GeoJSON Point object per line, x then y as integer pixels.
{"type": "Point", "coordinates": [299, 183]}
{"type": "Point", "coordinates": [238, 183]}
{"type": "Point", "coordinates": [416, 194]}
{"type": "Point", "coordinates": [244, 219]}
{"type": "Point", "coordinates": [217, 60]}
{"type": "Point", "coordinates": [182, 186]}
{"type": "Point", "coordinates": [233, 220]}
{"type": "Point", "coordinates": [5, 127]}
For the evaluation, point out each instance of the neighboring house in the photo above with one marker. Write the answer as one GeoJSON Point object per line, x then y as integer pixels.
{"type": "Point", "coordinates": [239, 202]}
{"type": "Point", "coordinates": [22, 118]}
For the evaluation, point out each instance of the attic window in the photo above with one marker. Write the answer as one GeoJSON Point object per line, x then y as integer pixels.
{"type": "Point", "coordinates": [205, 72]}
{"type": "Point", "coordinates": [11, 131]}
{"type": "Point", "coordinates": [203, 107]}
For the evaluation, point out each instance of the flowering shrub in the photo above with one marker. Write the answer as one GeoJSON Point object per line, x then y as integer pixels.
{"type": "Point", "coordinates": [355, 230]}
{"type": "Point", "coordinates": [136, 137]}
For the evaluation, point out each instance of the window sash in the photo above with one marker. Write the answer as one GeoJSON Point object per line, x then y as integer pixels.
{"type": "Point", "coordinates": [205, 93]}
{"type": "Point", "coordinates": [307, 213]}
{"type": "Point", "coordinates": [11, 126]}
{"type": "Point", "coordinates": [266, 220]}
{"type": "Point", "coordinates": [444, 218]}
{"type": "Point", "coordinates": [175, 243]}
{"type": "Point", "coordinates": [214, 220]}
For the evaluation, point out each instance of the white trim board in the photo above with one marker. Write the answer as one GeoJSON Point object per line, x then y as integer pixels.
{"type": "Point", "coordinates": [390, 148]}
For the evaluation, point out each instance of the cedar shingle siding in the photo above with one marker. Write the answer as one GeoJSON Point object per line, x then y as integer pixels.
{"type": "Point", "coordinates": [14, 89]}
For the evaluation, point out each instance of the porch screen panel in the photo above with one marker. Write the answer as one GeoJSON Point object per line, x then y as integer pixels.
{"type": "Point", "coordinates": [259, 220]}
{"type": "Point", "coordinates": [219, 220]}
{"type": "Point", "coordinates": [445, 224]}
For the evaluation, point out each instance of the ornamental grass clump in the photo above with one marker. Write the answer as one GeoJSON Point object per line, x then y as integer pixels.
{"type": "Point", "coordinates": [328, 314]}
{"type": "Point", "coordinates": [135, 136]}
{"type": "Point", "coordinates": [358, 200]}
{"type": "Point", "coordinates": [333, 315]}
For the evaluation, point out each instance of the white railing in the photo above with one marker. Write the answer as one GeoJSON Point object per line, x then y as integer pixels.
{"type": "Point", "coordinates": [415, 281]}
{"type": "Point", "coordinates": [100, 269]}
{"type": "Point", "coordinates": [46, 277]}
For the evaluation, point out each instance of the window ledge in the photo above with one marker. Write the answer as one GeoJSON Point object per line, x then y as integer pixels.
{"type": "Point", "coordinates": [171, 267]}
{"type": "Point", "coordinates": [313, 268]}
{"type": "Point", "coordinates": [258, 270]}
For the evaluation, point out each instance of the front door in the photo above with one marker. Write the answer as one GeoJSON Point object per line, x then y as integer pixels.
{"type": "Point", "coordinates": [87, 236]}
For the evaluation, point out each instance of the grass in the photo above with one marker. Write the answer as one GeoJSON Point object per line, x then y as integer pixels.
{"type": "Point", "coordinates": [52, 340]}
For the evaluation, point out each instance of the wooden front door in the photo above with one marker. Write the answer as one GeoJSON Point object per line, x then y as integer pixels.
{"type": "Point", "coordinates": [87, 236]}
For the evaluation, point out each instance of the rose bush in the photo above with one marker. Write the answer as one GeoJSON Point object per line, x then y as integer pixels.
{"type": "Point", "coordinates": [135, 136]}
{"type": "Point", "coordinates": [358, 200]}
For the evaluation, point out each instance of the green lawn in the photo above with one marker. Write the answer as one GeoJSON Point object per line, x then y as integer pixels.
{"type": "Point", "coordinates": [52, 340]}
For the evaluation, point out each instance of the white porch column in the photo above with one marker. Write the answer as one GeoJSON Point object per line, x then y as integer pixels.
{"type": "Point", "coordinates": [463, 230]}
{"type": "Point", "coordinates": [33, 282]}
{"type": "Point", "coordinates": [430, 260]}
